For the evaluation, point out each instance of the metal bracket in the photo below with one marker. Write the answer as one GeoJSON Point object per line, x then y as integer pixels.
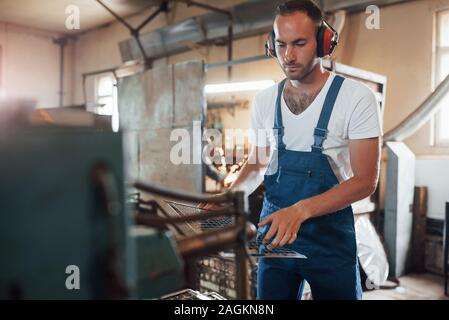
{"type": "Point", "coordinates": [135, 32]}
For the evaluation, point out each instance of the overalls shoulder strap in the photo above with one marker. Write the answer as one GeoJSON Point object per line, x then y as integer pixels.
{"type": "Point", "coordinates": [320, 132]}
{"type": "Point", "coordinates": [278, 128]}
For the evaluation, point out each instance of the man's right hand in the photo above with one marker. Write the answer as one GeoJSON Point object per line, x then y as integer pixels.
{"type": "Point", "coordinates": [211, 206]}
{"type": "Point", "coordinates": [249, 177]}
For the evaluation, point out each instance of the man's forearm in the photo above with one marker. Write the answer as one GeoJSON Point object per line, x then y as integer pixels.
{"type": "Point", "coordinates": [250, 177]}
{"type": "Point", "coordinates": [337, 198]}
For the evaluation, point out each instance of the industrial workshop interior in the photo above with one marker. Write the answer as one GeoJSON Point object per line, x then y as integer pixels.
{"type": "Point", "coordinates": [224, 150]}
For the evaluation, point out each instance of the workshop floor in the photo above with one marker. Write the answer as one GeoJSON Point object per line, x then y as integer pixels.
{"type": "Point", "coordinates": [412, 287]}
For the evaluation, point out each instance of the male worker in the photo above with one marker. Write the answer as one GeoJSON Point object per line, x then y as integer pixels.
{"type": "Point", "coordinates": [324, 132]}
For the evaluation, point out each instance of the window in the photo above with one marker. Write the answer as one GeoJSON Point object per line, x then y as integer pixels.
{"type": "Point", "coordinates": [442, 70]}
{"type": "Point", "coordinates": [106, 98]}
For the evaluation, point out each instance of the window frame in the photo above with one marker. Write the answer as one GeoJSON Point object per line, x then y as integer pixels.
{"type": "Point", "coordinates": [1, 69]}
{"type": "Point", "coordinates": [440, 51]}
{"type": "Point", "coordinates": [114, 95]}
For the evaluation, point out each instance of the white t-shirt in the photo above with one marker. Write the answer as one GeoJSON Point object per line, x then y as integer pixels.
{"type": "Point", "coordinates": [356, 115]}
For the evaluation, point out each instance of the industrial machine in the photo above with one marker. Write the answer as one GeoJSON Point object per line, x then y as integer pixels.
{"type": "Point", "coordinates": [218, 247]}
{"type": "Point", "coordinates": [68, 230]}
{"type": "Point", "coordinates": [63, 227]}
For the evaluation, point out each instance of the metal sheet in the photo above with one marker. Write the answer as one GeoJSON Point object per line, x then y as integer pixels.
{"type": "Point", "coordinates": [159, 96]}
{"type": "Point", "coordinates": [398, 207]}
{"type": "Point", "coordinates": [131, 102]}
{"type": "Point", "coordinates": [155, 165]}
{"type": "Point", "coordinates": [189, 98]}
{"type": "Point", "coordinates": [256, 247]}
{"type": "Point", "coordinates": [151, 105]}
{"type": "Point", "coordinates": [131, 155]}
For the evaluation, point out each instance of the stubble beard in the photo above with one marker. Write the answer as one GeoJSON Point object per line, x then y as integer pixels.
{"type": "Point", "coordinates": [303, 71]}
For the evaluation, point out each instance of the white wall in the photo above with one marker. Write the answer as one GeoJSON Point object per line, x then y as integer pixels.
{"type": "Point", "coordinates": [30, 65]}
{"type": "Point", "coordinates": [434, 174]}
{"type": "Point", "coordinates": [402, 49]}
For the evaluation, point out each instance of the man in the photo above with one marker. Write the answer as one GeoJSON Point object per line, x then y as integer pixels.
{"type": "Point", "coordinates": [326, 132]}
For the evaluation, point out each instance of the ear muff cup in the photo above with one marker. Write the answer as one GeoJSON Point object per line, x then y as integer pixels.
{"type": "Point", "coordinates": [270, 45]}
{"type": "Point", "coordinates": [319, 42]}
{"type": "Point", "coordinates": [327, 40]}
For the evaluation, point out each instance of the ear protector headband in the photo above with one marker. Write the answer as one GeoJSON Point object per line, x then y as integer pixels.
{"type": "Point", "coordinates": [326, 39]}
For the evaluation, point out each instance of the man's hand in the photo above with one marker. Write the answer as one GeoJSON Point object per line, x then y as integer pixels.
{"type": "Point", "coordinates": [210, 206]}
{"type": "Point", "coordinates": [285, 224]}
{"type": "Point", "coordinates": [250, 176]}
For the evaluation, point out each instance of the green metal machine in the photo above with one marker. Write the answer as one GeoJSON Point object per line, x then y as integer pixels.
{"type": "Point", "coordinates": [68, 230]}
{"type": "Point", "coordinates": [62, 215]}
{"type": "Point", "coordinates": [65, 231]}
{"type": "Point", "coordinates": [160, 268]}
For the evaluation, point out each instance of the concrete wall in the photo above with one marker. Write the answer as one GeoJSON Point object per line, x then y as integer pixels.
{"type": "Point", "coordinates": [30, 65]}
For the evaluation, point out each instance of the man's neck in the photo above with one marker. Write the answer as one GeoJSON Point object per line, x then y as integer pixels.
{"type": "Point", "coordinates": [316, 78]}
{"type": "Point", "coordinates": [299, 95]}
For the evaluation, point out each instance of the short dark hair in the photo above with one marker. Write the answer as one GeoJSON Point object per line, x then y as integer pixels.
{"type": "Point", "coordinates": [307, 6]}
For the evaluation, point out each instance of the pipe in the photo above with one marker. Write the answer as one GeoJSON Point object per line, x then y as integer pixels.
{"type": "Point", "coordinates": [230, 27]}
{"type": "Point", "coordinates": [239, 61]}
{"type": "Point", "coordinates": [154, 221]}
{"type": "Point", "coordinates": [206, 6]}
{"type": "Point", "coordinates": [168, 193]}
{"type": "Point", "coordinates": [250, 18]}
{"type": "Point", "coordinates": [61, 42]}
{"type": "Point", "coordinates": [214, 241]}
{"type": "Point", "coordinates": [241, 257]}
{"type": "Point", "coordinates": [135, 32]}
{"type": "Point", "coordinates": [61, 77]}
{"type": "Point", "coordinates": [230, 46]}
{"type": "Point", "coordinates": [421, 115]}
{"type": "Point", "coordinates": [116, 16]}
{"type": "Point", "coordinates": [339, 20]}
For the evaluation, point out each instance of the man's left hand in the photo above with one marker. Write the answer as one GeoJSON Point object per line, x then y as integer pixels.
{"type": "Point", "coordinates": [285, 224]}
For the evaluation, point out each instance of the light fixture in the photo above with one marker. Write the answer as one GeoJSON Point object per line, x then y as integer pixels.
{"type": "Point", "coordinates": [238, 86]}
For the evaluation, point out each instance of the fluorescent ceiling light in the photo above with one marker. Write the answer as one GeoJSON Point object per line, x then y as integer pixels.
{"type": "Point", "coordinates": [238, 86]}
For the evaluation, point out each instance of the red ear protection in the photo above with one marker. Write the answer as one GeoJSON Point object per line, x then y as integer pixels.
{"type": "Point", "coordinates": [270, 45]}
{"type": "Point", "coordinates": [326, 38]}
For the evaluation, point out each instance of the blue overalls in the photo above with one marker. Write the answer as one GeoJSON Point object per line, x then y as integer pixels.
{"type": "Point", "coordinates": [328, 241]}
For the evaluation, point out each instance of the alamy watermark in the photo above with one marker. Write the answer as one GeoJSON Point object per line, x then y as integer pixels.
{"type": "Point", "coordinates": [372, 22]}
{"type": "Point", "coordinates": [72, 282]}
{"type": "Point", "coordinates": [211, 146]}
{"type": "Point", "coordinates": [72, 20]}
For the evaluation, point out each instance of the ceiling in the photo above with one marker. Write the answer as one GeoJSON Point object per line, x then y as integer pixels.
{"type": "Point", "coordinates": [50, 14]}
